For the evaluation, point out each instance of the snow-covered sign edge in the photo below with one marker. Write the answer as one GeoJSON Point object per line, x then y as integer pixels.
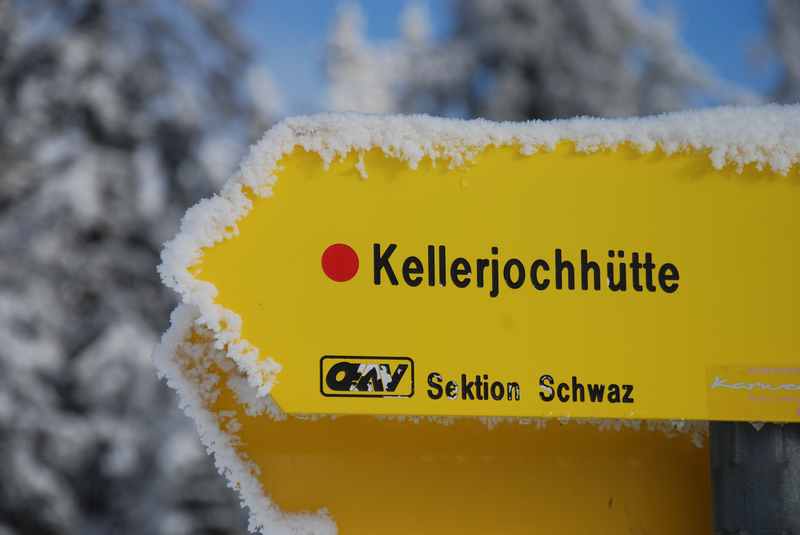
{"type": "Point", "coordinates": [264, 515]}
{"type": "Point", "coordinates": [766, 137]}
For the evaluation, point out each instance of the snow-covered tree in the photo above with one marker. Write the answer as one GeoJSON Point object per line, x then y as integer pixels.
{"type": "Point", "coordinates": [548, 58]}
{"type": "Point", "coordinates": [115, 116]}
{"type": "Point", "coordinates": [784, 34]}
{"type": "Point", "coordinates": [519, 59]}
{"type": "Point", "coordinates": [360, 76]}
{"type": "Point", "coordinates": [406, 75]}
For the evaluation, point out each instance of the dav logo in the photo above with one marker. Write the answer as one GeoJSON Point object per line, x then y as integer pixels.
{"type": "Point", "coordinates": [370, 377]}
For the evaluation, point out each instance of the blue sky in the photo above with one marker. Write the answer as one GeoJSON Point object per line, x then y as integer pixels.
{"type": "Point", "coordinates": [291, 36]}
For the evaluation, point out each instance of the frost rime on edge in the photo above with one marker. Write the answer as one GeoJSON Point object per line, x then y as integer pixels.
{"type": "Point", "coordinates": [240, 476]}
{"type": "Point", "coordinates": [766, 137]}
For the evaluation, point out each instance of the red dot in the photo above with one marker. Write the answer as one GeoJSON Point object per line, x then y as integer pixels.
{"type": "Point", "coordinates": [340, 262]}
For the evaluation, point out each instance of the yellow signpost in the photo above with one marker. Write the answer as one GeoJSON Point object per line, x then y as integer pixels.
{"type": "Point", "coordinates": [368, 266]}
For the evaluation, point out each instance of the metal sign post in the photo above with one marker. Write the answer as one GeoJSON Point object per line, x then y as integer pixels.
{"type": "Point", "coordinates": [755, 473]}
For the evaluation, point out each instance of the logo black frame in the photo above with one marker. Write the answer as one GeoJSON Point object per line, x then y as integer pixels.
{"type": "Point", "coordinates": [378, 360]}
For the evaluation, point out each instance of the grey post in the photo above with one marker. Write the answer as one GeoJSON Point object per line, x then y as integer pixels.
{"type": "Point", "coordinates": [755, 477]}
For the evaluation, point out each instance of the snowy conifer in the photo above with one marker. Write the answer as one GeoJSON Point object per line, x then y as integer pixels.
{"type": "Point", "coordinates": [784, 33]}
{"type": "Point", "coordinates": [116, 116]}
{"type": "Point", "coordinates": [521, 59]}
